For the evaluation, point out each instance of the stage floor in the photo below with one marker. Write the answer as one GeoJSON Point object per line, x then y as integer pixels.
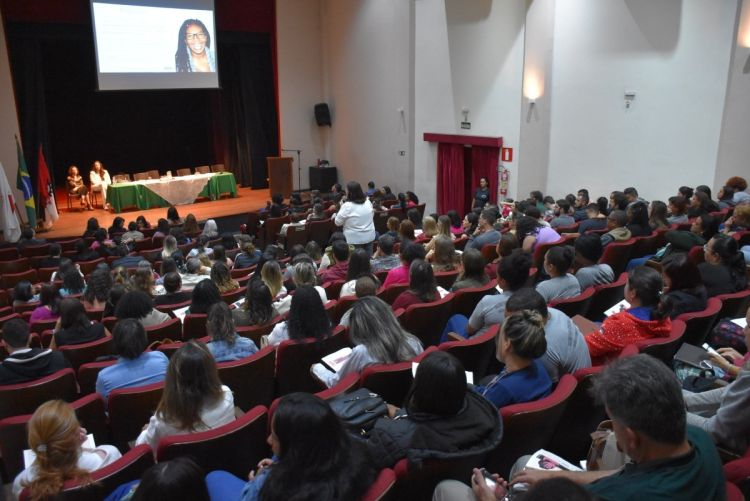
{"type": "Point", "coordinates": [72, 223]}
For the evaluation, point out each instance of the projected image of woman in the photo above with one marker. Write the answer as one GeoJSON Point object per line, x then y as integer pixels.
{"type": "Point", "coordinates": [194, 48]}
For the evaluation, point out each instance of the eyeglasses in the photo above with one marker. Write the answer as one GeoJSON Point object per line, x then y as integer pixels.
{"type": "Point", "coordinates": [193, 36]}
{"type": "Point", "coordinates": [705, 249]}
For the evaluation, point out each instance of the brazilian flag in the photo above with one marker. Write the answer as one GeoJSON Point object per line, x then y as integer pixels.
{"type": "Point", "coordinates": [23, 183]}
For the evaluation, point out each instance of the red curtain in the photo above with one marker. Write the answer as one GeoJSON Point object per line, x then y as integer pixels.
{"type": "Point", "coordinates": [484, 162]}
{"type": "Point", "coordinates": [450, 178]}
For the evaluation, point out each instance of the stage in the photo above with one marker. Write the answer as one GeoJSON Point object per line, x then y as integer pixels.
{"type": "Point", "coordinates": [72, 223]}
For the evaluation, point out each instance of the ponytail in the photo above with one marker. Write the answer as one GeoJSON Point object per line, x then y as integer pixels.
{"type": "Point", "coordinates": [665, 307]}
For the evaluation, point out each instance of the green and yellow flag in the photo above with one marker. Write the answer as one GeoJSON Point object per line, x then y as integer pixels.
{"type": "Point", "coordinates": [23, 183]}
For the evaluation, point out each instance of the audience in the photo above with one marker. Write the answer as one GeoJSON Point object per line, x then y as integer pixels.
{"type": "Point", "coordinates": [193, 399]}
{"type": "Point", "coordinates": [257, 309]}
{"type": "Point", "coordinates": [409, 252]}
{"type": "Point", "coordinates": [225, 344]}
{"type": "Point", "coordinates": [173, 294]}
{"type": "Point", "coordinates": [683, 285]}
{"type": "Point", "coordinates": [138, 305]}
{"type": "Point", "coordinates": [617, 228]}
{"type": "Point", "coordinates": [97, 290]}
{"type": "Point", "coordinates": [49, 305]}
{"type": "Point", "coordinates": [589, 250]}
{"type": "Point", "coordinates": [638, 222]}
{"type": "Point", "coordinates": [53, 261]}
{"type": "Point", "coordinates": [723, 272]}
{"type": "Point", "coordinates": [443, 257]}
{"type": "Point", "coordinates": [340, 266]}
{"type": "Point", "coordinates": [205, 295]}
{"type": "Point", "coordinates": [24, 363]}
{"type": "Point", "coordinates": [472, 272]}
{"type": "Point", "coordinates": [384, 259]}
{"type": "Point", "coordinates": [485, 233]}
{"type": "Point", "coordinates": [422, 286]}
{"type": "Point", "coordinates": [135, 366]}
{"type": "Point", "coordinates": [74, 326]}
{"type": "Point", "coordinates": [677, 210]}
{"type": "Point", "coordinates": [174, 480]}
{"type": "Point", "coordinates": [194, 273]}
{"type": "Point", "coordinates": [359, 266]}
{"type": "Point", "coordinates": [223, 278]}
{"type": "Point", "coordinates": [248, 257]}
{"type": "Point", "coordinates": [23, 294]}
{"type": "Point", "coordinates": [307, 319]}
{"type": "Point", "coordinates": [561, 284]}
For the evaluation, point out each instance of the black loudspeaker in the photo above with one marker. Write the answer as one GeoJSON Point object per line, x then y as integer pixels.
{"type": "Point", "coordinates": [322, 178]}
{"type": "Point", "coordinates": [322, 114]}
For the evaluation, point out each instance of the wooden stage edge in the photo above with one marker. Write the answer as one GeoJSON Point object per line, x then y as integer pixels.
{"type": "Point", "coordinates": [73, 223]}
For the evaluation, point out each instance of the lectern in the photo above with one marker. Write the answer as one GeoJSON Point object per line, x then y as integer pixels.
{"type": "Point", "coordinates": [280, 175]}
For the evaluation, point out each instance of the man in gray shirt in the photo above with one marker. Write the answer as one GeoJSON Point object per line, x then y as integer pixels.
{"type": "Point", "coordinates": [588, 252]}
{"type": "Point", "coordinates": [566, 348]}
{"type": "Point", "coordinates": [485, 234]}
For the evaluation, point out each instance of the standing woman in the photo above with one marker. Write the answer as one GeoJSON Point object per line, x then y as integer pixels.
{"type": "Point", "coordinates": [77, 187]}
{"type": "Point", "coordinates": [356, 218]}
{"type": "Point", "coordinates": [482, 195]}
{"type": "Point", "coordinates": [100, 181]}
{"type": "Point", "coordinates": [194, 48]}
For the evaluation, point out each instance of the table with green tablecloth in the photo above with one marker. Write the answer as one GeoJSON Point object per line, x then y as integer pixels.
{"type": "Point", "coordinates": [171, 191]}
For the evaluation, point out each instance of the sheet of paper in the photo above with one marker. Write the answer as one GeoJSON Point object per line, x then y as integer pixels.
{"type": "Point", "coordinates": [181, 313]}
{"type": "Point", "coordinates": [742, 322]}
{"type": "Point", "coordinates": [621, 306]}
{"type": "Point", "coordinates": [545, 460]}
{"type": "Point", "coordinates": [337, 359]}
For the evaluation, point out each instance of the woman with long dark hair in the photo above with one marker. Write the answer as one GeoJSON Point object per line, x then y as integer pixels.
{"type": "Point", "coordinates": [74, 327]}
{"type": "Point", "coordinates": [194, 52]}
{"type": "Point", "coordinates": [359, 266]}
{"type": "Point", "coordinates": [355, 216]}
{"type": "Point", "coordinates": [422, 286]}
{"type": "Point", "coordinates": [205, 294]}
{"type": "Point", "coordinates": [194, 398]}
{"type": "Point", "coordinates": [225, 344]}
{"type": "Point", "coordinates": [724, 270]}
{"type": "Point", "coordinates": [258, 306]}
{"type": "Point", "coordinates": [683, 284]}
{"type": "Point", "coordinates": [314, 459]}
{"type": "Point", "coordinates": [49, 304]}
{"type": "Point", "coordinates": [307, 318]}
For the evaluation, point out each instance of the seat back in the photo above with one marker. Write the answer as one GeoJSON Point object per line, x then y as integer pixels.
{"type": "Point", "coordinates": [475, 353]}
{"type": "Point", "coordinates": [256, 332]}
{"type": "Point", "coordinates": [578, 305]}
{"type": "Point", "coordinates": [333, 288]}
{"type": "Point", "coordinates": [644, 246]}
{"type": "Point", "coordinates": [342, 306]}
{"type": "Point", "coordinates": [320, 231]}
{"type": "Point", "coordinates": [234, 295]}
{"type": "Point", "coordinates": [171, 329]}
{"type": "Point", "coordinates": [390, 381]}
{"type": "Point", "coordinates": [380, 220]}
{"type": "Point", "coordinates": [529, 427]}
{"type": "Point", "coordinates": [617, 255]}
{"type": "Point", "coordinates": [465, 300]}
{"type": "Point", "coordinates": [14, 265]}
{"type": "Point", "coordinates": [734, 305]}
{"type": "Point", "coordinates": [129, 410]}
{"type": "Point", "coordinates": [236, 447]}
{"type": "Point", "coordinates": [445, 279]}
{"type": "Point", "coordinates": [140, 176]}
{"type": "Point", "coordinates": [88, 373]}
{"type": "Point", "coordinates": [390, 293]}
{"type": "Point", "coordinates": [383, 487]}
{"type": "Point", "coordinates": [699, 323]}
{"type": "Point", "coordinates": [9, 280]}
{"type": "Point", "coordinates": [88, 266]}
{"type": "Point", "coordinates": [218, 168]}
{"type": "Point", "coordinates": [24, 398]}
{"type": "Point", "coordinates": [417, 482]}
{"type": "Point", "coordinates": [695, 254]}
{"type": "Point", "coordinates": [664, 348]}
{"type": "Point", "coordinates": [296, 235]}
{"type": "Point", "coordinates": [426, 321]}
{"type": "Point", "coordinates": [251, 379]}
{"type": "Point", "coordinates": [489, 252]}
{"type": "Point", "coordinates": [14, 438]}
{"type": "Point", "coordinates": [541, 250]}
{"type": "Point", "coordinates": [272, 227]}
{"type": "Point", "coordinates": [79, 354]}
{"type": "Point", "coordinates": [184, 172]}
{"type": "Point", "coordinates": [194, 326]}
{"type": "Point", "coordinates": [606, 296]}
{"type": "Point", "coordinates": [294, 359]}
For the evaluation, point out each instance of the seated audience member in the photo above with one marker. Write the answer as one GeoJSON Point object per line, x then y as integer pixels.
{"type": "Point", "coordinates": [220, 256]}
{"type": "Point", "coordinates": [223, 278]}
{"type": "Point", "coordinates": [583, 199]}
{"type": "Point", "coordinates": [531, 233]}
{"type": "Point", "coordinates": [74, 327]}
{"type": "Point", "coordinates": [257, 309]}
{"type": "Point", "coordinates": [248, 257]}
{"type": "Point", "coordinates": [638, 223]}
{"type": "Point", "coordinates": [65, 265]}
{"type": "Point", "coordinates": [723, 272]}
{"type": "Point", "coordinates": [271, 275]}
{"type": "Point", "coordinates": [133, 234]}
{"type": "Point", "coordinates": [28, 238]}
{"type": "Point", "coordinates": [142, 223]}
{"type": "Point", "coordinates": [440, 415]}
{"type": "Point", "coordinates": [657, 215]}
{"type": "Point", "coordinates": [83, 253]}
{"type": "Point", "coordinates": [53, 260]}
{"type": "Point", "coordinates": [307, 319]}
{"type": "Point", "coordinates": [92, 224]}
{"type": "Point", "coordinates": [314, 457]}
{"type": "Point", "coordinates": [56, 437]}
{"type": "Point", "coordinates": [618, 201]}
{"type": "Point", "coordinates": [378, 338]}
{"type": "Point", "coordinates": [561, 285]}
{"type": "Point", "coordinates": [173, 216]}
{"type": "Point", "coordinates": [646, 318]}
{"type": "Point", "coordinates": [443, 230]}
{"type": "Point", "coordinates": [632, 196]}
{"type": "Point", "coordinates": [725, 196]}
{"type": "Point", "coordinates": [384, 259]}
{"type": "Point", "coordinates": [115, 294]}
{"type": "Point", "coordinates": [469, 223]}
{"type": "Point", "coordinates": [103, 244]}
{"type": "Point", "coordinates": [365, 287]}
{"type": "Point", "coordinates": [413, 215]}
{"type": "Point", "coordinates": [739, 185]}
{"type": "Point", "coordinates": [566, 349]}
{"type": "Point", "coordinates": [685, 192]}
{"type": "Point", "coordinates": [595, 219]}
{"type": "Point", "coordinates": [702, 229]}
{"type": "Point", "coordinates": [588, 252]}
{"type": "Point", "coordinates": [520, 343]}
{"type": "Point", "coordinates": [677, 210]}
{"type": "Point", "coordinates": [457, 228]}
{"type": "Point", "coordinates": [97, 290]}
{"type": "Point", "coordinates": [174, 295]}
{"type": "Point", "coordinates": [72, 282]}
{"type": "Point", "coordinates": [730, 360]}
{"type": "Point", "coordinates": [408, 253]}
{"type": "Point", "coordinates": [429, 228]}
{"type": "Point", "coordinates": [201, 247]}
{"type": "Point", "coordinates": [194, 398]}
{"type": "Point", "coordinates": [194, 273]}
{"type": "Point", "coordinates": [139, 306]}
{"type": "Point", "coordinates": [359, 266]}
{"type": "Point", "coordinates": [406, 231]}
{"type": "Point", "coordinates": [422, 286]}
{"type": "Point", "coordinates": [617, 228]}
{"type": "Point", "coordinates": [204, 295]}
{"type": "Point", "coordinates": [443, 257]}
{"type": "Point", "coordinates": [317, 213]}
{"type": "Point", "coordinates": [485, 234]}
{"type": "Point", "coordinates": [669, 458]}
{"type": "Point", "coordinates": [135, 365]}
{"type": "Point", "coordinates": [49, 304]}
{"type": "Point", "coordinates": [392, 225]}
{"type": "Point", "coordinates": [143, 280]}
{"type": "Point", "coordinates": [117, 228]}
{"type": "Point", "coordinates": [170, 250]}
{"type": "Point", "coordinates": [303, 273]}
{"type": "Point", "coordinates": [23, 293]}
{"type": "Point", "coordinates": [162, 229]}
{"type": "Point", "coordinates": [174, 480]}
{"type": "Point", "coordinates": [739, 221]}
{"type": "Point", "coordinates": [472, 272]}
{"type": "Point", "coordinates": [225, 344]}
{"type": "Point", "coordinates": [562, 215]}
{"type": "Point", "coordinates": [24, 363]}
{"type": "Point", "coordinates": [120, 276]}
{"type": "Point", "coordinates": [683, 285]}
{"type": "Point", "coordinates": [337, 270]}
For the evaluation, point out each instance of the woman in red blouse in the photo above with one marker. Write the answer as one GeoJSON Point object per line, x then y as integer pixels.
{"type": "Point", "coordinates": [422, 286]}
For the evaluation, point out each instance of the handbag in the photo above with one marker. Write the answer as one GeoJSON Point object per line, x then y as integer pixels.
{"type": "Point", "coordinates": [604, 453]}
{"type": "Point", "coordinates": [359, 410]}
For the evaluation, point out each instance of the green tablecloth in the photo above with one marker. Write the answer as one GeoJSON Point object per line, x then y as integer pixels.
{"type": "Point", "coordinates": [140, 196]}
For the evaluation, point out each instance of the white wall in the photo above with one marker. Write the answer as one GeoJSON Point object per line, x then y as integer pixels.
{"type": "Point", "coordinates": [300, 67]}
{"type": "Point", "coordinates": [734, 147]}
{"type": "Point", "coordinates": [367, 60]}
{"type": "Point", "coordinates": [8, 118]}
{"type": "Point", "coordinates": [675, 55]}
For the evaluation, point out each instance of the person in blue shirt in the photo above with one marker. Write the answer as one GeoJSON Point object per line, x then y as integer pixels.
{"type": "Point", "coordinates": [135, 366]}
{"type": "Point", "coordinates": [225, 344]}
{"type": "Point", "coordinates": [520, 344]}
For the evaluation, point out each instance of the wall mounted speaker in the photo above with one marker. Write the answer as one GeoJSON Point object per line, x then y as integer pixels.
{"type": "Point", "coordinates": [322, 114]}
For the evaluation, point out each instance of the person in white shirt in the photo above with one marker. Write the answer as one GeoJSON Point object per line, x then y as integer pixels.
{"type": "Point", "coordinates": [194, 398]}
{"type": "Point", "coordinates": [356, 216]}
{"type": "Point", "coordinates": [378, 337]}
{"type": "Point", "coordinates": [56, 438]}
{"type": "Point", "coordinates": [100, 181]}
{"type": "Point", "coordinates": [303, 273]}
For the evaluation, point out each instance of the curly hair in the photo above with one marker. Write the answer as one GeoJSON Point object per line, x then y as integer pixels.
{"type": "Point", "coordinates": [98, 287]}
{"type": "Point", "coordinates": [307, 316]}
